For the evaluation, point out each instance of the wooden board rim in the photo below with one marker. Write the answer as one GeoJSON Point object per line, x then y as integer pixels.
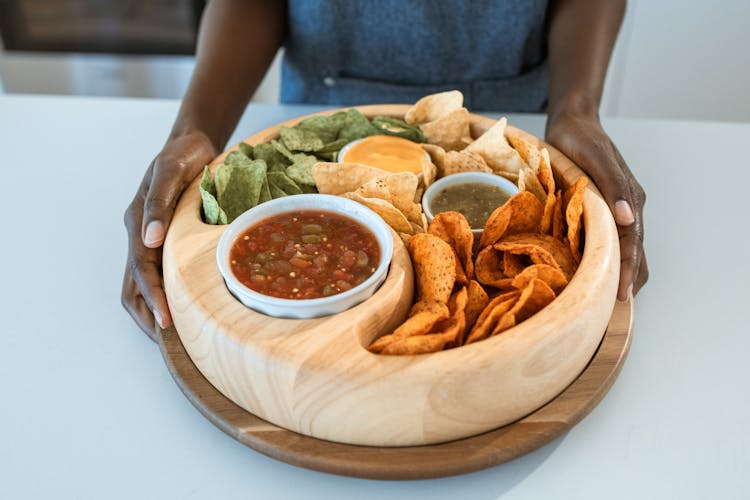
{"type": "Point", "coordinates": [416, 462]}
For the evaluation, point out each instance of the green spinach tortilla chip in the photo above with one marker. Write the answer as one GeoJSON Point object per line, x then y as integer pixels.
{"type": "Point", "coordinates": [239, 186]}
{"type": "Point", "coordinates": [356, 125]}
{"type": "Point", "coordinates": [275, 161]}
{"type": "Point", "coordinates": [276, 192]}
{"type": "Point", "coordinates": [246, 149]}
{"type": "Point", "coordinates": [265, 191]}
{"type": "Point", "coordinates": [236, 158]}
{"type": "Point", "coordinates": [281, 181]}
{"type": "Point", "coordinates": [281, 148]}
{"type": "Point", "coordinates": [393, 126]}
{"type": "Point", "coordinates": [212, 213]}
{"type": "Point", "coordinates": [326, 127]}
{"type": "Point", "coordinates": [301, 170]}
{"type": "Point", "coordinates": [300, 139]}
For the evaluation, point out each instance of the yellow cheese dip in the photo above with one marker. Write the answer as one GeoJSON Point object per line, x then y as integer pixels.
{"type": "Point", "coordinates": [386, 152]}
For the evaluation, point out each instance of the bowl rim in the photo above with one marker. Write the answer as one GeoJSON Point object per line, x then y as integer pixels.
{"type": "Point", "coordinates": [279, 206]}
{"type": "Point", "coordinates": [489, 178]}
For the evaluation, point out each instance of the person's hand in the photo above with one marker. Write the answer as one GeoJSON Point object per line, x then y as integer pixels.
{"type": "Point", "coordinates": [147, 219]}
{"type": "Point", "coordinates": [582, 139]}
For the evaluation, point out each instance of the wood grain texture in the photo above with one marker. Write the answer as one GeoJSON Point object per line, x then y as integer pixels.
{"type": "Point", "coordinates": [316, 378]}
{"type": "Point", "coordinates": [417, 462]}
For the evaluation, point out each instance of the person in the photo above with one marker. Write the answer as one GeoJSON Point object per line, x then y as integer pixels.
{"type": "Point", "coordinates": [505, 55]}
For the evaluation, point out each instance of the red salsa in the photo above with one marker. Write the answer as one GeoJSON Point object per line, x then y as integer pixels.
{"type": "Point", "coordinates": [304, 255]}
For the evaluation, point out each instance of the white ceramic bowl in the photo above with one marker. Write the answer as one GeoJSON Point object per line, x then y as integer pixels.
{"type": "Point", "coordinates": [307, 308]}
{"type": "Point", "coordinates": [461, 178]}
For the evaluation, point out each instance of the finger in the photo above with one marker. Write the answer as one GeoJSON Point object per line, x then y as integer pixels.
{"type": "Point", "coordinates": [600, 161]}
{"type": "Point", "coordinates": [630, 260]}
{"type": "Point", "coordinates": [146, 272]}
{"type": "Point", "coordinates": [167, 184]}
{"type": "Point", "coordinates": [134, 304]}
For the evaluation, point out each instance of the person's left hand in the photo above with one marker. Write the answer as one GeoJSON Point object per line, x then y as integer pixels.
{"type": "Point", "coordinates": [581, 138]}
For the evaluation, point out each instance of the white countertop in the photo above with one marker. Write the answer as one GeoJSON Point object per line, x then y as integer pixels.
{"type": "Point", "coordinates": [90, 411]}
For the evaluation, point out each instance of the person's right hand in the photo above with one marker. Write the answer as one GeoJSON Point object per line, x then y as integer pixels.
{"type": "Point", "coordinates": [147, 219]}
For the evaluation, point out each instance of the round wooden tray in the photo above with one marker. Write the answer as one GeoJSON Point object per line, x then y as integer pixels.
{"type": "Point", "coordinates": [315, 377]}
{"type": "Point", "coordinates": [415, 462]}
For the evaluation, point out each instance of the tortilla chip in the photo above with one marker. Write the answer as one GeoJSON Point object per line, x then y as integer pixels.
{"type": "Point", "coordinates": [491, 314]}
{"type": "Point", "coordinates": [422, 317]}
{"type": "Point", "coordinates": [547, 179]}
{"type": "Point", "coordinates": [528, 181]}
{"type": "Point", "coordinates": [558, 221]}
{"type": "Point", "coordinates": [573, 215]}
{"type": "Point", "coordinates": [529, 153]}
{"type": "Point", "coordinates": [488, 268]}
{"type": "Point", "coordinates": [451, 132]}
{"type": "Point", "coordinates": [454, 162]}
{"type": "Point", "coordinates": [390, 214]}
{"type": "Point", "coordinates": [454, 332]}
{"type": "Point", "coordinates": [402, 188]}
{"type": "Point", "coordinates": [494, 148]}
{"type": "Point", "coordinates": [454, 229]}
{"type": "Point", "coordinates": [476, 301]}
{"type": "Point", "coordinates": [420, 344]}
{"type": "Point", "coordinates": [339, 178]}
{"type": "Point", "coordinates": [534, 297]}
{"type": "Point", "coordinates": [513, 265]}
{"type": "Point", "coordinates": [520, 214]}
{"type": "Point", "coordinates": [541, 249]}
{"type": "Point", "coordinates": [434, 267]}
{"type": "Point", "coordinates": [429, 172]}
{"type": "Point", "coordinates": [550, 275]}
{"type": "Point", "coordinates": [435, 106]}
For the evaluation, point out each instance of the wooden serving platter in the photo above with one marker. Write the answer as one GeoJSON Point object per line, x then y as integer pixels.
{"type": "Point", "coordinates": [316, 378]}
{"type": "Point", "coordinates": [416, 462]}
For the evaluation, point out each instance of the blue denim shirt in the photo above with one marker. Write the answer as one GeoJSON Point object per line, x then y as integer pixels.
{"type": "Point", "coordinates": [349, 52]}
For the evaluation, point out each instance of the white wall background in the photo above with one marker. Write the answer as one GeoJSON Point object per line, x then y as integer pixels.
{"type": "Point", "coordinates": [682, 59]}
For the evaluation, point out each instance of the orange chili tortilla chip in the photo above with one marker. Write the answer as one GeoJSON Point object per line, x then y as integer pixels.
{"type": "Point", "coordinates": [450, 132]}
{"type": "Point", "coordinates": [454, 229]}
{"type": "Point", "coordinates": [534, 297]}
{"type": "Point", "coordinates": [476, 301]}
{"type": "Point", "coordinates": [541, 249]}
{"type": "Point", "coordinates": [494, 148]}
{"type": "Point", "coordinates": [529, 153]}
{"type": "Point", "coordinates": [495, 310]}
{"type": "Point", "coordinates": [434, 106]}
{"type": "Point", "coordinates": [434, 267]}
{"type": "Point", "coordinates": [522, 213]}
{"type": "Point", "coordinates": [558, 221]}
{"type": "Point", "coordinates": [513, 265]}
{"type": "Point", "coordinates": [419, 344]}
{"type": "Point", "coordinates": [339, 178]}
{"type": "Point", "coordinates": [422, 317]}
{"type": "Point", "coordinates": [488, 268]}
{"type": "Point", "coordinates": [550, 275]}
{"type": "Point", "coordinates": [573, 215]}
{"type": "Point", "coordinates": [455, 331]}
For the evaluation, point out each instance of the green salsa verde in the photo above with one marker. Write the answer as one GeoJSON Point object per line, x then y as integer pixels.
{"type": "Point", "coordinates": [475, 200]}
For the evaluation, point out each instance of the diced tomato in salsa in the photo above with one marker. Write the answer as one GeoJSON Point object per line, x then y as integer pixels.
{"type": "Point", "coordinates": [305, 255]}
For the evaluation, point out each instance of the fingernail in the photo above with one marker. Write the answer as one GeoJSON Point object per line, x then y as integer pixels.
{"type": "Point", "coordinates": [623, 213]}
{"type": "Point", "coordinates": [157, 316]}
{"type": "Point", "coordinates": [155, 233]}
{"type": "Point", "coordinates": [629, 292]}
